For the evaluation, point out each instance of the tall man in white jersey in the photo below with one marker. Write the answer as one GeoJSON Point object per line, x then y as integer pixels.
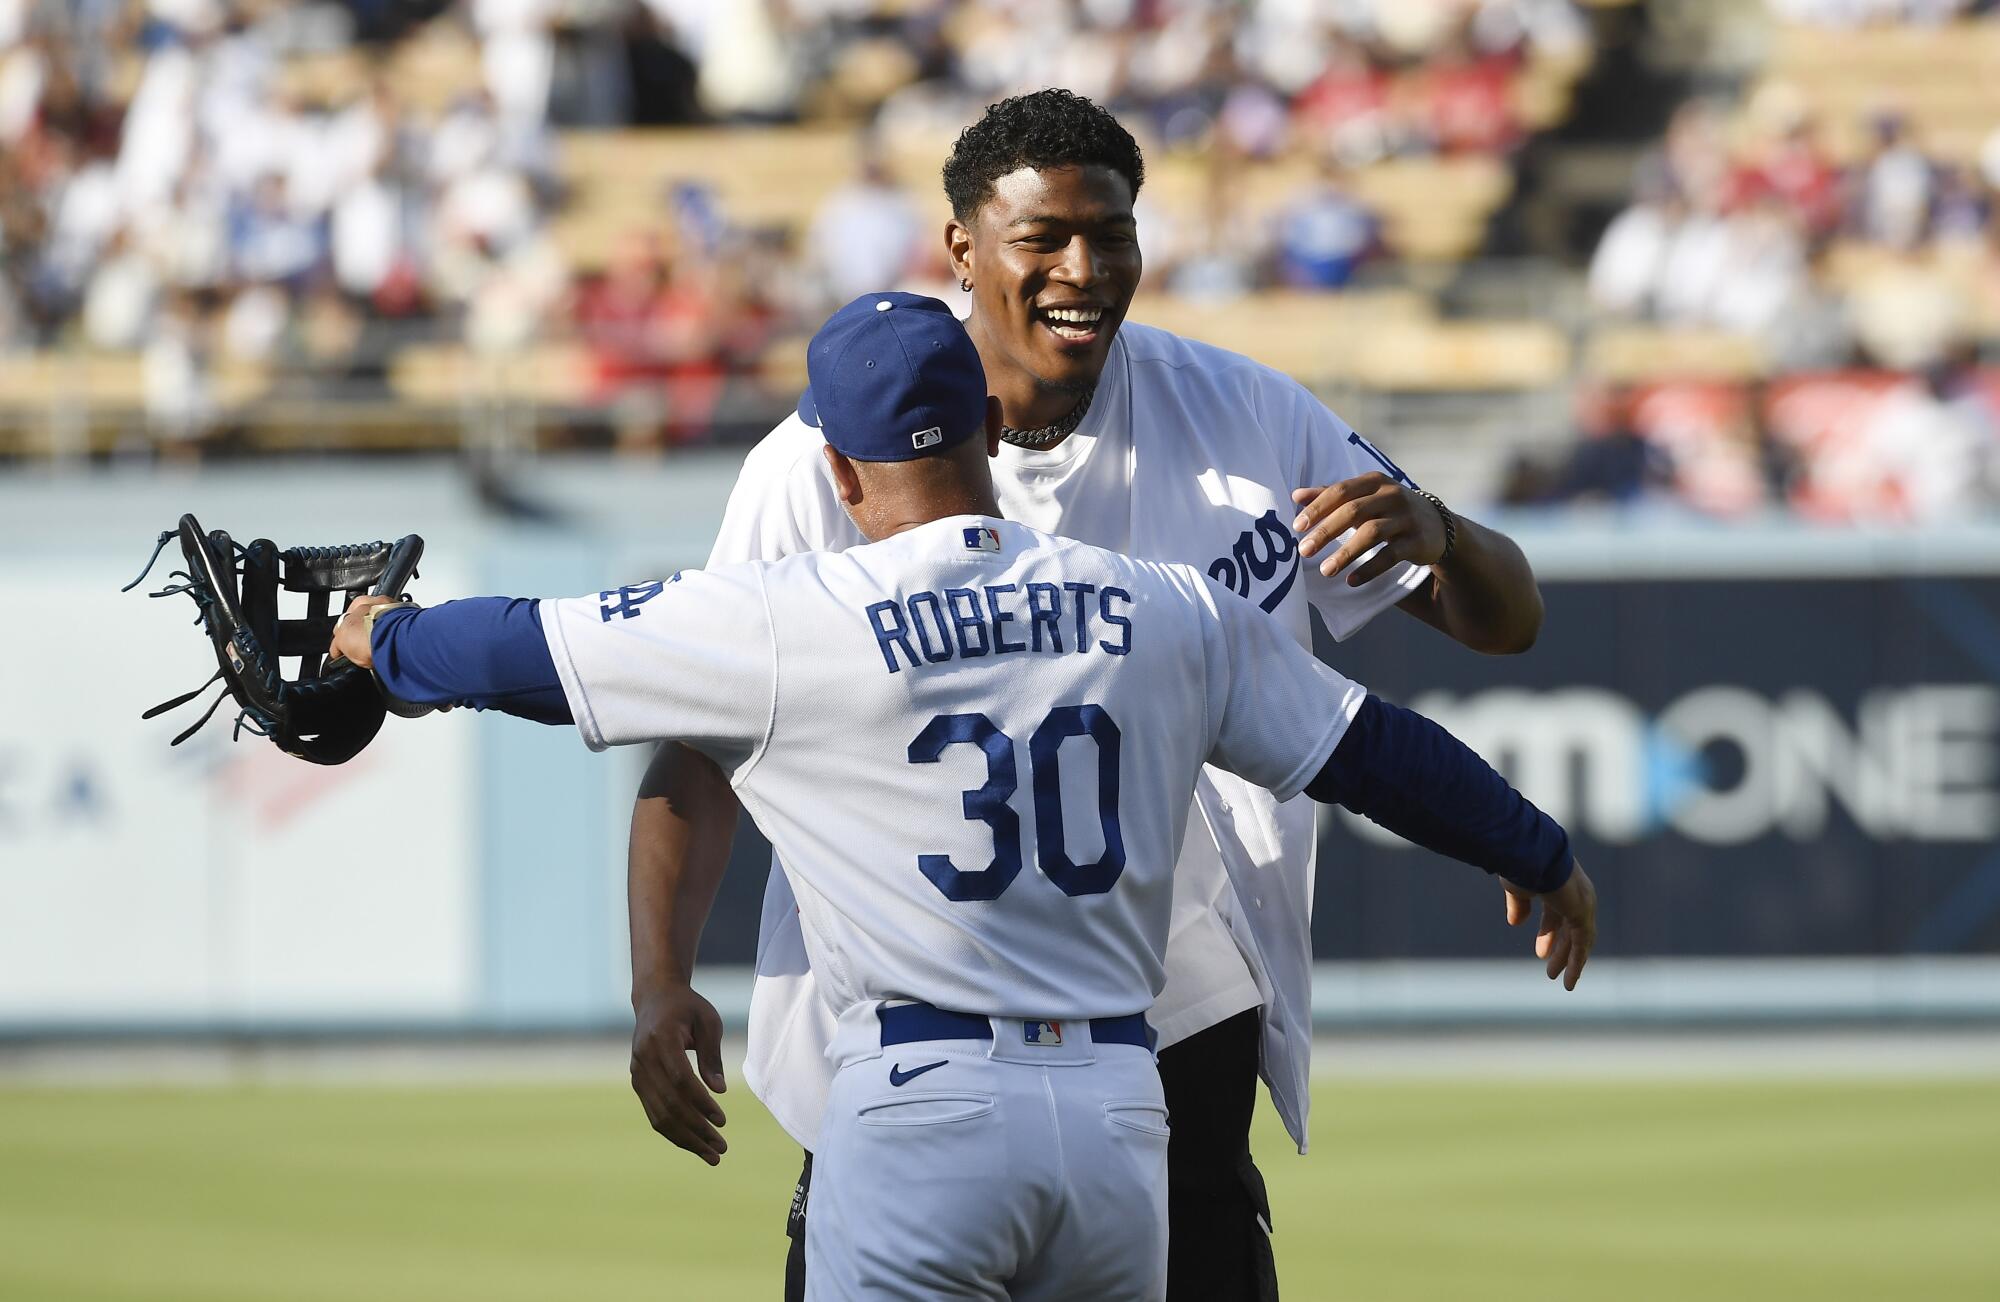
{"type": "Point", "coordinates": [972, 744]}
{"type": "Point", "coordinates": [1132, 439]}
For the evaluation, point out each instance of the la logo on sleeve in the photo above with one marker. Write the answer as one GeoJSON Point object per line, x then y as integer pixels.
{"type": "Point", "coordinates": [625, 602]}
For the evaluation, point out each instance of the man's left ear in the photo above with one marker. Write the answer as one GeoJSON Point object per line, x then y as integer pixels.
{"type": "Point", "coordinates": [958, 248]}
{"type": "Point", "coordinates": [845, 482]}
{"type": "Point", "coordinates": [993, 425]}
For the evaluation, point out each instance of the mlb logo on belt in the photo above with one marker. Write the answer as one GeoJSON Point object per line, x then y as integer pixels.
{"type": "Point", "coordinates": [1048, 1033]}
{"type": "Point", "coordinates": [981, 539]}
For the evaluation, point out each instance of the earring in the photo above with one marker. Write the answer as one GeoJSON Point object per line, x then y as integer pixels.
{"type": "Point", "coordinates": [965, 284]}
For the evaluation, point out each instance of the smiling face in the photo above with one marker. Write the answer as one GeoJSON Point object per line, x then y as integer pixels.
{"type": "Point", "coordinates": [1053, 256]}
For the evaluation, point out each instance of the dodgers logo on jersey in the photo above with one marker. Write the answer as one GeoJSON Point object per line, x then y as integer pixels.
{"type": "Point", "coordinates": [629, 598]}
{"type": "Point", "coordinates": [1267, 546]}
{"type": "Point", "coordinates": [1260, 552]}
{"type": "Point", "coordinates": [982, 539]}
{"type": "Point", "coordinates": [1048, 1034]}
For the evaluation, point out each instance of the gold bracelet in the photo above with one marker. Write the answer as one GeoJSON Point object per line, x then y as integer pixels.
{"type": "Point", "coordinates": [376, 612]}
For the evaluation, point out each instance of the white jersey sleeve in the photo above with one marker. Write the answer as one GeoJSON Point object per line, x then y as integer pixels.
{"type": "Point", "coordinates": [1325, 451]}
{"type": "Point", "coordinates": [783, 502]}
{"type": "Point", "coordinates": [1275, 713]}
{"type": "Point", "coordinates": [688, 658]}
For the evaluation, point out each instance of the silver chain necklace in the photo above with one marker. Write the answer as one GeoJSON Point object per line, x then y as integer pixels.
{"type": "Point", "coordinates": [1051, 433]}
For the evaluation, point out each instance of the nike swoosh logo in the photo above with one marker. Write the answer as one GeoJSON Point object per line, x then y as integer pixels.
{"type": "Point", "coordinates": [897, 1076]}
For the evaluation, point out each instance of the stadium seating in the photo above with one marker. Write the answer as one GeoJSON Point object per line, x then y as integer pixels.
{"type": "Point", "coordinates": [1630, 353]}
{"type": "Point", "coordinates": [1433, 211]}
{"type": "Point", "coordinates": [430, 70]}
{"type": "Point", "coordinates": [65, 402]}
{"type": "Point", "coordinates": [1389, 339]}
{"type": "Point", "coordinates": [1300, 334]}
{"type": "Point", "coordinates": [1419, 356]}
{"type": "Point", "coordinates": [1943, 81]}
{"type": "Point", "coordinates": [618, 182]}
{"type": "Point", "coordinates": [445, 376]}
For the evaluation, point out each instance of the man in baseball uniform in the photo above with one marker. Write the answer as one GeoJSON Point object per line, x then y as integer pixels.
{"type": "Point", "coordinates": [972, 744]}
{"type": "Point", "coordinates": [1133, 439]}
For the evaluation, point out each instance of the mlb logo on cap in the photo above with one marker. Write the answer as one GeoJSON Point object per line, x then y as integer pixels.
{"type": "Point", "coordinates": [1045, 1033]}
{"type": "Point", "coordinates": [982, 539]}
{"type": "Point", "coordinates": [894, 377]}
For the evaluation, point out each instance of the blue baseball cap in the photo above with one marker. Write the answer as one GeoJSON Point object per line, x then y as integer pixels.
{"type": "Point", "coordinates": [893, 377]}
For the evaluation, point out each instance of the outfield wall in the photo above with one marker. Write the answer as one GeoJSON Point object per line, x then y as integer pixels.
{"type": "Point", "coordinates": [1779, 748]}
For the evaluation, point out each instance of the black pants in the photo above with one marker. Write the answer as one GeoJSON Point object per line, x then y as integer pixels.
{"type": "Point", "coordinates": [1218, 1217]}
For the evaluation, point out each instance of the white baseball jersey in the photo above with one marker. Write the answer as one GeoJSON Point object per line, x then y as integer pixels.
{"type": "Point", "coordinates": [971, 745]}
{"type": "Point", "coordinates": [1189, 454]}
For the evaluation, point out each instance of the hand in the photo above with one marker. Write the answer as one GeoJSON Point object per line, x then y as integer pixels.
{"type": "Point", "coordinates": [1569, 923]}
{"type": "Point", "coordinates": [670, 1022]}
{"type": "Point", "coordinates": [351, 636]}
{"type": "Point", "coordinates": [1379, 510]}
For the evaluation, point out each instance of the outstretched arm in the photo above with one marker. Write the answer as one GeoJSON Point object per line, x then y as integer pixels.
{"type": "Point", "coordinates": [1287, 722]}
{"type": "Point", "coordinates": [484, 652]}
{"type": "Point", "coordinates": [1406, 773]}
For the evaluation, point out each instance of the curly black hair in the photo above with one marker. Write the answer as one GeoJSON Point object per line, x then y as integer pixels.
{"type": "Point", "coordinates": [1046, 128]}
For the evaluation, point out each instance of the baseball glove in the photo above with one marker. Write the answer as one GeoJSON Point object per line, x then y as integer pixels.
{"type": "Point", "coordinates": [332, 709]}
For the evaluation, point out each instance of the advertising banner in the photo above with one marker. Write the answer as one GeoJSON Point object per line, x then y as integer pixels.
{"type": "Point", "coordinates": [1785, 766]}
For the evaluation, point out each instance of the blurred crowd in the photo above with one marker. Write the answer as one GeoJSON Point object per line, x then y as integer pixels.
{"type": "Point", "coordinates": [171, 187]}
{"type": "Point", "coordinates": [1362, 79]}
{"type": "Point", "coordinates": [1855, 446]}
{"type": "Point", "coordinates": [165, 186]}
{"type": "Point", "coordinates": [162, 190]}
{"type": "Point", "coordinates": [1748, 225]}
{"type": "Point", "coordinates": [1864, 288]}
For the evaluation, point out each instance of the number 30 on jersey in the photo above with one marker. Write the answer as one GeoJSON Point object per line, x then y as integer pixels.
{"type": "Point", "coordinates": [988, 803]}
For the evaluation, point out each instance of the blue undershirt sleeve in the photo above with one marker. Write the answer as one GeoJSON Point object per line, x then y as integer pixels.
{"type": "Point", "coordinates": [485, 653]}
{"type": "Point", "coordinates": [1397, 768]}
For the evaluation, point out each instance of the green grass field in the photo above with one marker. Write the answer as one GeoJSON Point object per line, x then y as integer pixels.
{"type": "Point", "coordinates": [1751, 1190]}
